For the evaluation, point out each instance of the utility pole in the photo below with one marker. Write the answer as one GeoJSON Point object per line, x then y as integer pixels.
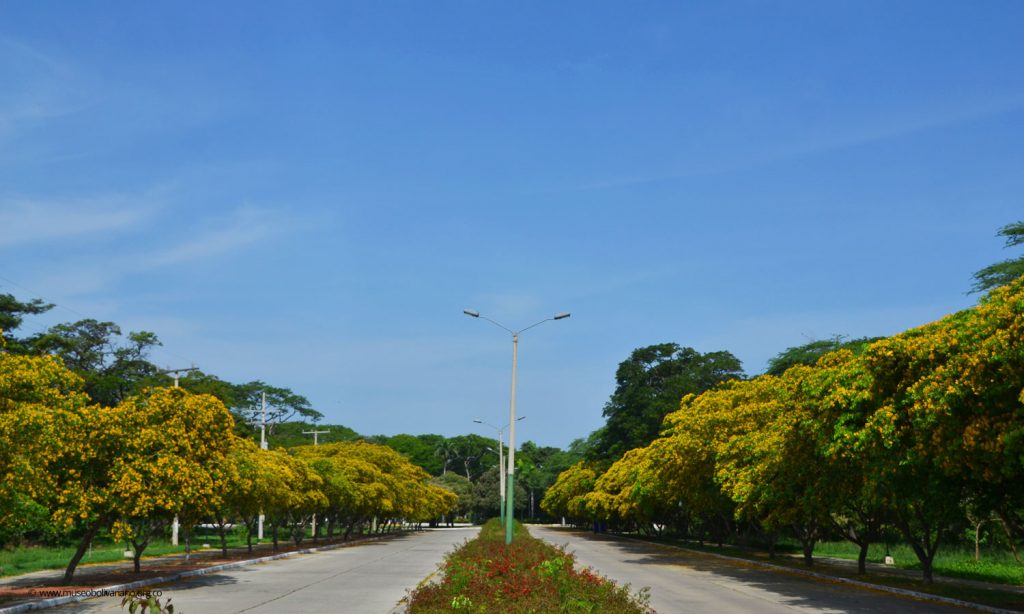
{"type": "Point", "coordinates": [314, 433]}
{"type": "Point", "coordinates": [263, 423]}
{"type": "Point", "coordinates": [263, 446]}
{"type": "Point", "coordinates": [176, 525]}
{"type": "Point", "coordinates": [177, 371]}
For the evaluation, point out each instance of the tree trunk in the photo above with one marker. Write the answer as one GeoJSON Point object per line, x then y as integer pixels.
{"type": "Point", "coordinates": [977, 541]}
{"type": "Point", "coordinates": [808, 552]}
{"type": "Point", "coordinates": [140, 547]}
{"type": "Point", "coordinates": [808, 534]}
{"type": "Point", "coordinates": [1010, 538]}
{"type": "Point", "coordinates": [222, 529]}
{"type": "Point", "coordinates": [926, 567]}
{"type": "Point", "coordinates": [83, 546]}
{"type": "Point", "coordinates": [188, 543]}
{"type": "Point", "coordinates": [862, 558]}
{"type": "Point", "coordinates": [274, 534]}
{"type": "Point", "coordinates": [925, 545]}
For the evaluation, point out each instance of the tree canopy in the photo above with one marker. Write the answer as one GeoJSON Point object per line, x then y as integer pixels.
{"type": "Point", "coordinates": [649, 385]}
{"type": "Point", "coordinates": [1002, 273]}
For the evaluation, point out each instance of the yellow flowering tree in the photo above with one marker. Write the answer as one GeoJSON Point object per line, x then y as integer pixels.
{"type": "Point", "coordinates": [42, 422]}
{"type": "Point", "coordinates": [567, 496]}
{"type": "Point", "coordinates": [157, 454]}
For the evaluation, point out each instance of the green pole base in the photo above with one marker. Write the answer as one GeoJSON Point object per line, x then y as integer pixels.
{"type": "Point", "coordinates": [510, 481]}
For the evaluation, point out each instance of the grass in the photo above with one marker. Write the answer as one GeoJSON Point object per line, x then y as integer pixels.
{"type": "Point", "coordinates": [956, 562]}
{"type": "Point", "coordinates": [988, 596]}
{"type": "Point", "coordinates": [22, 560]}
{"type": "Point", "coordinates": [485, 576]}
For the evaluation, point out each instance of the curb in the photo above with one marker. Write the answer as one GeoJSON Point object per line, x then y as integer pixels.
{"type": "Point", "coordinates": [41, 604]}
{"type": "Point", "coordinates": [838, 579]}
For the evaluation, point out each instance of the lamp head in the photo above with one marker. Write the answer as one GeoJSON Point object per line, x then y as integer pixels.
{"type": "Point", "coordinates": [561, 316]}
{"type": "Point", "coordinates": [471, 312]}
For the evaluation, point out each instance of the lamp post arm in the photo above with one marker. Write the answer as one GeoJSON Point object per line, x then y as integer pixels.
{"type": "Point", "coordinates": [497, 324]}
{"type": "Point", "coordinates": [532, 325]}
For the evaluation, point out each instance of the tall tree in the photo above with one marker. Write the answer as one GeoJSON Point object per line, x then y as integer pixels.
{"type": "Point", "coordinates": [1002, 273]}
{"type": "Point", "coordinates": [282, 405]}
{"type": "Point", "coordinates": [113, 368]}
{"type": "Point", "coordinates": [809, 353]}
{"type": "Point", "coordinates": [12, 313]}
{"type": "Point", "coordinates": [649, 386]}
{"type": "Point", "coordinates": [420, 449]}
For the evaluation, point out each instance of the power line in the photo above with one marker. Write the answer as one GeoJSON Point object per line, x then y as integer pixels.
{"type": "Point", "coordinates": [38, 295]}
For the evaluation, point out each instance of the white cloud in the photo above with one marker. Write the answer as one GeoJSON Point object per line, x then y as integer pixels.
{"type": "Point", "coordinates": [25, 222]}
{"type": "Point", "coordinates": [842, 136]}
{"type": "Point", "coordinates": [246, 227]}
{"type": "Point", "coordinates": [42, 87]}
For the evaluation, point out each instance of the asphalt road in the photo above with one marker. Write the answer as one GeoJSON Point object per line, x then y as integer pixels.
{"type": "Point", "coordinates": [694, 583]}
{"type": "Point", "coordinates": [369, 578]}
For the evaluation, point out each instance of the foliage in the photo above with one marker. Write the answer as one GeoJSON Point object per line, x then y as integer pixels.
{"type": "Point", "coordinates": [486, 497]}
{"type": "Point", "coordinates": [915, 432]}
{"type": "Point", "coordinates": [146, 603]}
{"type": "Point", "coordinates": [567, 497]}
{"type": "Point", "coordinates": [649, 385]}
{"type": "Point", "coordinates": [42, 422]}
{"type": "Point", "coordinates": [419, 449]}
{"type": "Point", "coordinates": [809, 353]}
{"type": "Point", "coordinates": [12, 313]}
{"type": "Point", "coordinates": [462, 488]}
{"type": "Point", "coordinates": [485, 575]}
{"type": "Point", "coordinates": [1002, 273]}
{"type": "Point", "coordinates": [282, 405]}
{"type": "Point", "coordinates": [113, 369]}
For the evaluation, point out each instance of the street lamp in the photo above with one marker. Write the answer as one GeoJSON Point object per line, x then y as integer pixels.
{"type": "Point", "coordinates": [501, 467]}
{"type": "Point", "coordinates": [510, 483]}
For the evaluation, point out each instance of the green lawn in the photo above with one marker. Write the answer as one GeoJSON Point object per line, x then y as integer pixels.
{"type": "Point", "coordinates": [22, 560]}
{"type": "Point", "coordinates": [17, 561]}
{"type": "Point", "coordinates": [956, 562]}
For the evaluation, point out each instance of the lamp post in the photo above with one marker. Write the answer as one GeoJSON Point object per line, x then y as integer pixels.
{"type": "Point", "coordinates": [510, 482]}
{"type": "Point", "coordinates": [501, 466]}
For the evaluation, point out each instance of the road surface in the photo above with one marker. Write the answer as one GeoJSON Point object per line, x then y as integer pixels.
{"type": "Point", "coordinates": [370, 578]}
{"type": "Point", "coordinates": [687, 582]}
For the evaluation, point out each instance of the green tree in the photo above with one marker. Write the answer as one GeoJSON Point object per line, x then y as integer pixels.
{"type": "Point", "coordinates": [281, 405]}
{"type": "Point", "coordinates": [486, 499]}
{"type": "Point", "coordinates": [649, 385]}
{"type": "Point", "coordinates": [1002, 273]}
{"type": "Point", "coordinates": [12, 313]}
{"type": "Point", "coordinates": [419, 449]}
{"type": "Point", "coordinates": [809, 353]}
{"type": "Point", "coordinates": [539, 467]}
{"type": "Point", "coordinates": [474, 454]}
{"type": "Point", "coordinates": [462, 488]}
{"type": "Point", "coordinates": [113, 368]}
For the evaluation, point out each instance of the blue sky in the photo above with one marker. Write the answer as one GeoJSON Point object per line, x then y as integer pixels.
{"type": "Point", "coordinates": [310, 193]}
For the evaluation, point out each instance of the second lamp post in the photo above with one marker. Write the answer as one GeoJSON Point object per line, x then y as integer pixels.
{"type": "Point", "coordinates": [501, 466]}
{"type": "Point", "coordinates": [511, 480]}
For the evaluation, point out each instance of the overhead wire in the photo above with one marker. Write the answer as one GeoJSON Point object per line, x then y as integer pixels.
{"type": "Point", "coordinates": [82, 316]}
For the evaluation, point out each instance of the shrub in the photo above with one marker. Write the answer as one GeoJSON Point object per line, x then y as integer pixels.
{"type": "Point", "coordinates": [528, 576]}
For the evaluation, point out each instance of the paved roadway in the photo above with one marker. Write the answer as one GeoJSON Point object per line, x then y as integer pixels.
{"type": "Point", "coordinates": [369, 578]}
{"type": "Point", "coordinates": [695, 583]}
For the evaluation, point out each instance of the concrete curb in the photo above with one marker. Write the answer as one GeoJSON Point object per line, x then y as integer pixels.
{"type": "Point", "coordinates": [838, 579]}
{"type": "Point", "coordinates": [41, 604]}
